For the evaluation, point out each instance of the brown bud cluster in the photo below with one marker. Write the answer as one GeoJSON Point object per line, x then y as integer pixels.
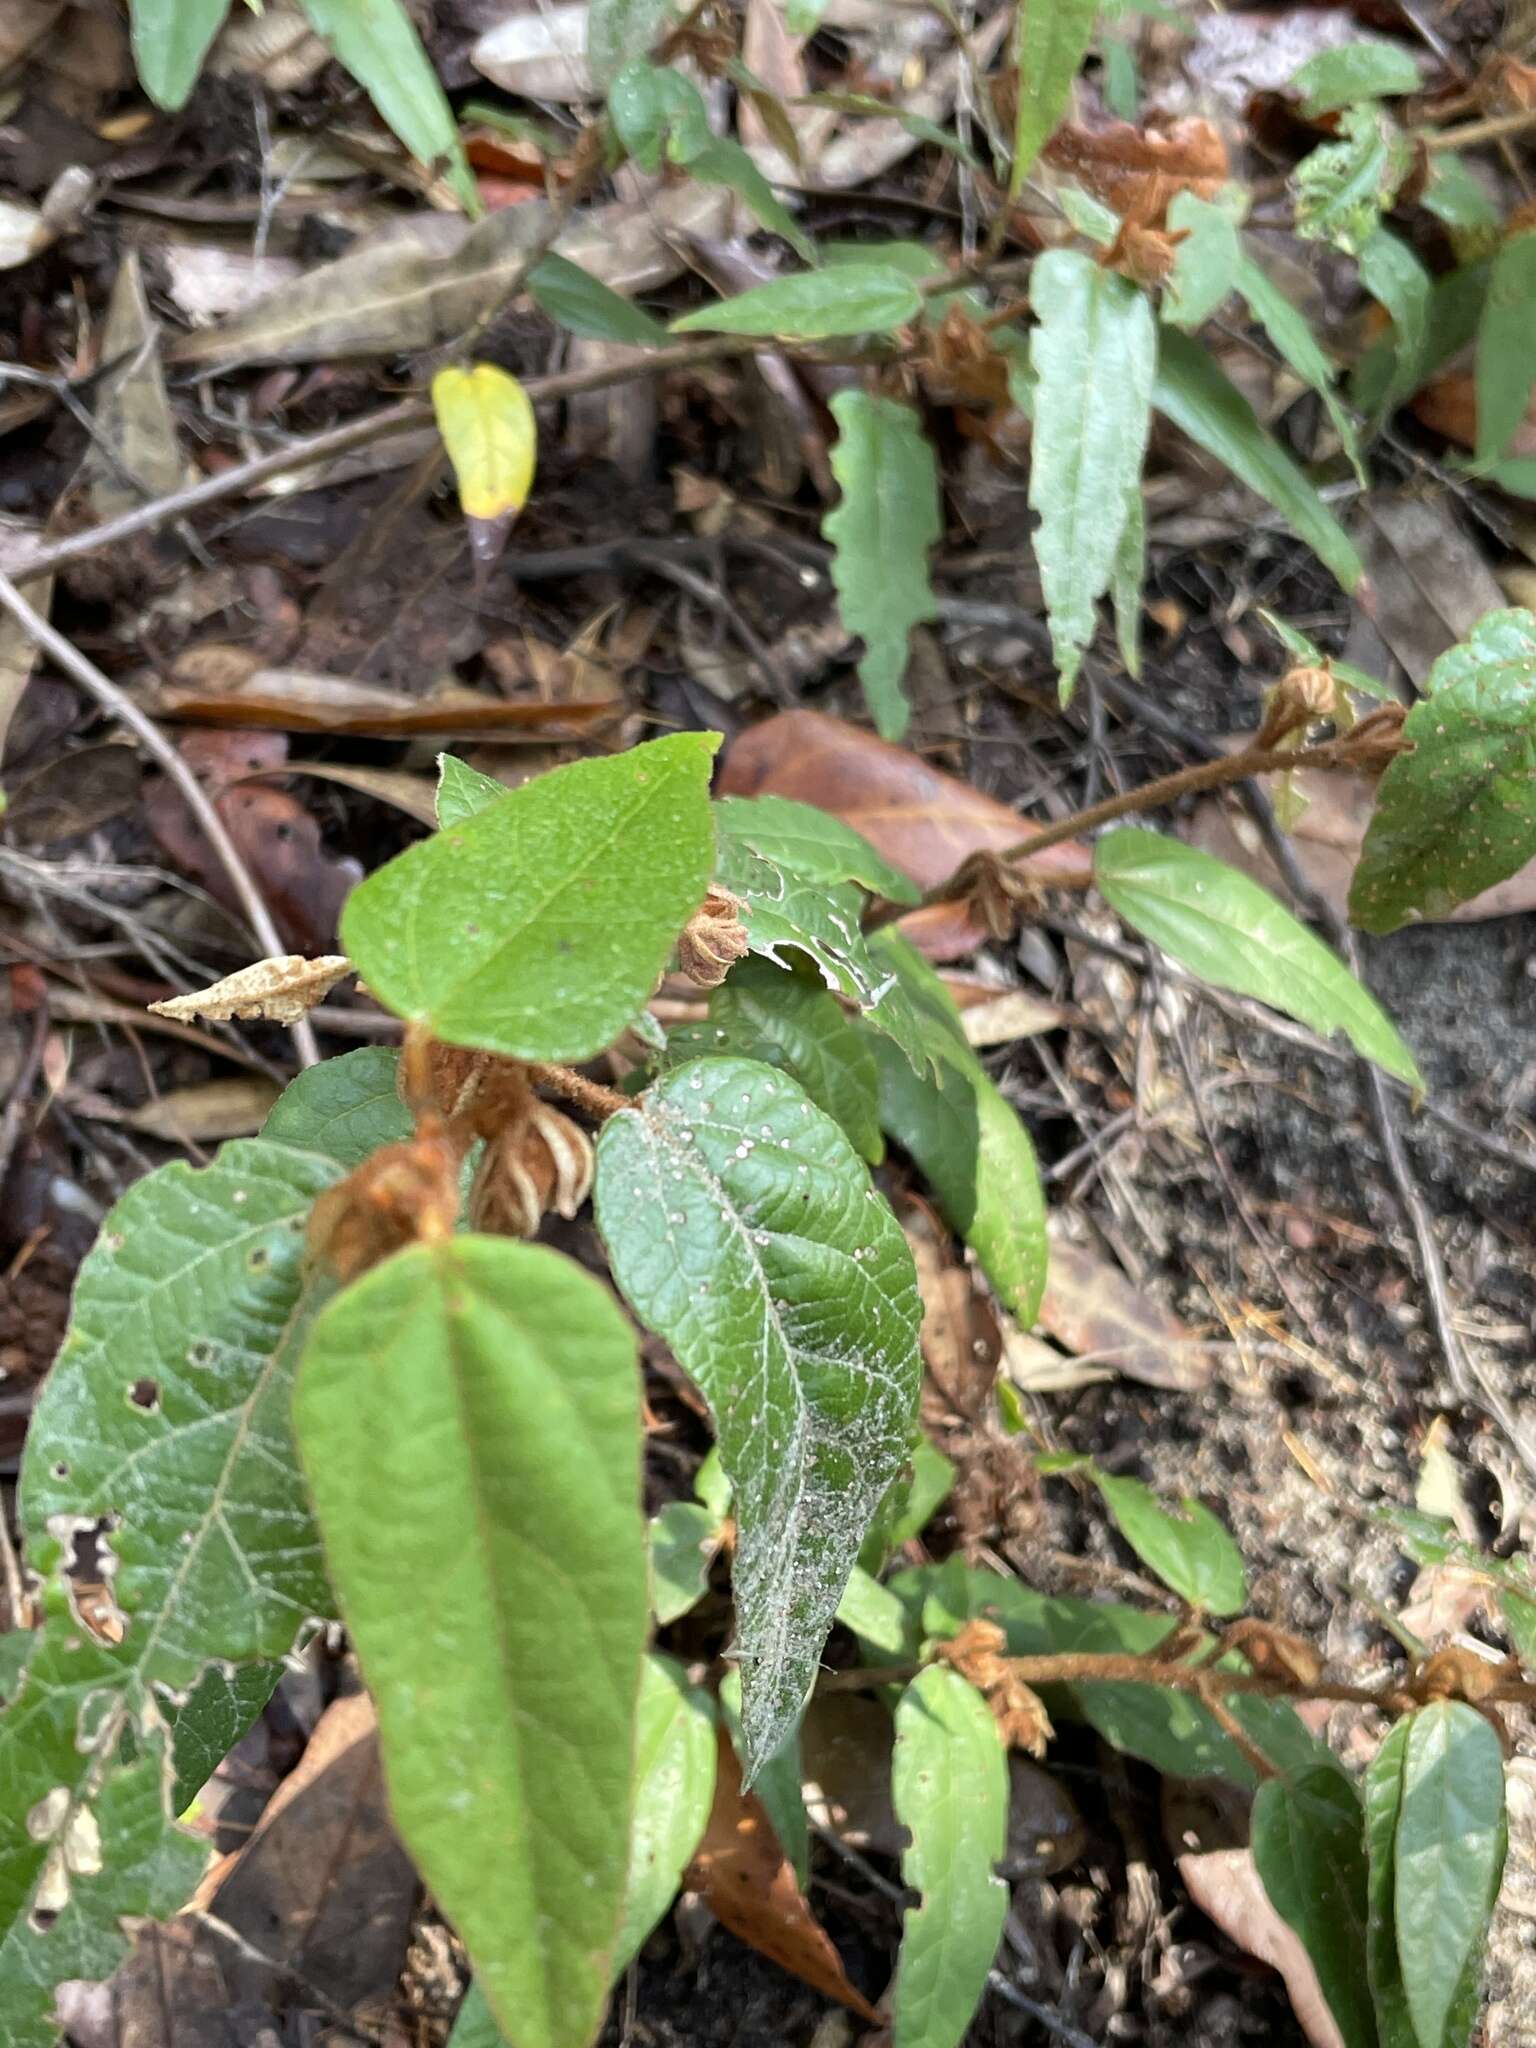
{"type": "Point", "coordinates": [1300, 698]}
{"type": "Point", "coordinates": [713, 940]}
{"type": "Point", "coordinates": [542, 1162]}
{"type": "Point", "coordinates": [407, 1193]}
{"type": "Point", "coordinates": [978, 1654]}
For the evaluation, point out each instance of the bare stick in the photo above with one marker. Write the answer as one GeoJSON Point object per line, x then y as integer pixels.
{"type": "Point", "coordinates": [120, 706]}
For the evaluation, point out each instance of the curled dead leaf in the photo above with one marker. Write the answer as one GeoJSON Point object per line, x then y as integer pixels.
{"type": "Point", "coordinates": [977, 1653]}
{"type": "Point", "coordinates": [282, 989]}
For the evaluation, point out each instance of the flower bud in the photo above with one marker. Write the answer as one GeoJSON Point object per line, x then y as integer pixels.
{"type": "Point", "coordinates": [713, 940]}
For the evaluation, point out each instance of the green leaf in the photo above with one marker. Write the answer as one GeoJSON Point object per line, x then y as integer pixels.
{"type": "Point", "coordinates": [1343, 189]}
{"type": "Point", "coordinates": [742, 1227]}
{"type": "Point", "coordinates": [883, 1625]}
{"type": "Point", "coordinates": [1354, 71]}
{"type": "Point", "coordinates": [684, 1537]}
{"type": "Point", "coordinates": [170, 40]}
{"type": "Point", "coordinates": [524, 1528]}
{"type": "Point", "coordinates": [674, 1789]}
{"type": "Point", "coordinates": [779, 1781]}
{"type": "Point", "coordinates": [1129, 575]}
{"type": "Point", "coordinates": [1383, 1795]}
{"type": "Point", "coordinates": [814, 305]}
{"type": "Point", "coordinates": [165, 1419]}
{"type": "Point", "coordinates": [1309, 1848]}
{"type": "Point", "coordinates": [786, 916]}
{"type": "Point", "coordinates": [376, 41]}
{"type": "Point", "coordinates": [221, 1707]}
{"type": "Point", "coordinates": [881, 530]}
{"type": "Point", "coordinates": [1520, 1619]}
{"type": "Point", "coordinates": [968, 1140]}
{"type": "Point", "coordinates": [1287, 328]}
{"type": "Point", "coordinates": [584, 305]}
{"type": "Point", "coordinates": [1396, 279]}
{"type": "Point", "coordinates": [1094, 352]}
{"type": "Point", "coordinates": [537, 927]}
{"type": "Point", "coordinates": [1506, 363]}
{"type": "Point", "coordinates": [764, 1012]}
{"type": "Point", "coordinates": [619, 32]}
{"type": "Point", "coordinates": [655, 110]}
{"type": "Point", "coordinates": [1200, 399]}
{"type": "Point", "coordinates": [1455, 196]}
{"type": "Point", "coordinates": [1088, 216]}
{"type": "Point", "coordinates": [1310, 655]}
{"type": "Point", "coordinates": [1458, 813]}
{"type": "Point", "coordinates": [1205, 264]}
{"type": "Point", "coordinates": [1232, 933]}
{"type": "Point", "coordinates": [949, 1786]}
{"type": "Point", "coordinates": [462, 791]}
{"type": "Point", "coordinates": [811, 844]}
{"type": "Point", "coordinates": [1051, 39]}
{"type": "Point", "coordinates": [475, 2025]}
{"type": "Point", "coordinates": [344, 1109]}
{"type": "Point", "coordinates": [1448, 1856]}
{"type": "Point", "coordinates": [933, 1479]}
{"type": "Point", "coordinates": [1190, 1551]}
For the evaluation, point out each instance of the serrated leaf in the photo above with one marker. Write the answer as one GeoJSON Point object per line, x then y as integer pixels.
{"type": "Point", "coordinates": [1343, 189]}
{"type": "Point", "coordinates": [787, 916]}
{"type": "Point", "coordinates": [1287, 328]}
{"type": "Point", "coordinates": [1309, 1849]}
{"type": "Point", "coordinates": [814, 305]}
{"type": "Point", "coordinates": [777, 1785]}
{"type": "Point", "coordinates": [684, 1536]}
{"type": "Point", "coordinates": [1205, 264]}
{"type": "Point", "coordinates": [619, 32]}
{"type": "Point", "coordinates": [765, 1013]}
{"type": "Point", "coordinates": [462, 790]}
{"type": "Point", "coordinates": [1202, 401]}
{"type": "Point", "coordinates": [1506, 363]}
{"type": "Point", "coordinates": [164, 1418]}
{"type": "Point", "coordinates": [974, 1152]}
{"type": "Point", "coordinates": [1396, 279]}
{"type": "Point", "coordinates": [1458, 813]}
{"type": "Point", "coordinates": [525, 1526]}
{"type": "Point", "coordinates": [1050, 41]}
{"type": "Point", "coordinates": [881, 530]}
{"type": "Point", "coordinates": [225, 1702]}
{"type": "Point", "coordinates": [675, 1750]}
{"type": "Point", "coordinates": [742, 1227]}
{"type": "Point", "coordinates": [584, 305]}
{"type": "Point", "coordinates": [492, 439]}
{"type": "Point", "coordinates": [538, 927]}
{"type": "Point", "coordinates": [1189, 1551]}
{"type": "Point", "coordinates": [949, 1786]}
{"type": "Point", "coordinates": [811, 844]}
{"type": "Point", "coordinates": [170, 40]}
{"type": "Point", "coordinates": [1232, 933]}
{"type": "Point", "coordinates": [376, 41]}
{"type": "Point", "coordinates": [1354, 71]}
{"type": "Point", "coordinates": [1094, 352]}
{"type": "Point", "coordinates": [344, 1109]}
{"type": "Point", "coordinates": [1448, 1856]}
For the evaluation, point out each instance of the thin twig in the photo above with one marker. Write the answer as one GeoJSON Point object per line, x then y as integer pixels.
{"type": "Point", "coordinates": [66, 656]}
{"type": "Point", "coordinates": [1493, 130]}
{"type": "Point", "coordinates": [599, 1102]}
{"type": "Point", "coordinates": [1052, 2021]}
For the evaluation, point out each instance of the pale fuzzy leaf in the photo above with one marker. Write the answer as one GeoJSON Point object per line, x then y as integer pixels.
{"type": "Point", "coordinates": [1234, 934]}
{"type": "Point", "coordinates": [519, 1371]}
{"type": "Point", "coordinates": [282, 989]}
{"type": "Point", "coordinates": [1506, 361]}
{"type": "Point", "coordinates": [949, 1785]}
{"type": "Point", "coordinates": [619, 31]}
{"type": "Point", "coordinates": [881, 530]}
{"type": "Point", "coordinates": [1094, 353]}
{"type": "Point", "coordinates": [742, 1227]}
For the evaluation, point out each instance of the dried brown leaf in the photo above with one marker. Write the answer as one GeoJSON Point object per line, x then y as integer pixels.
{"type": "Point", "coordinates": [235, 1108]}
{"type": "Point", "coordinates": [1093, 1310]}
{"type": "Point", "coordinates": [282, 989]}
{"type": "Point", "coordinates": [1227, 1888]}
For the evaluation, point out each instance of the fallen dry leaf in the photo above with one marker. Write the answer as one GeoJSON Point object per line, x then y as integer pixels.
{"type": "Point", "coordinates": [924, 821]}
{"type": "Point", "coordinates": [845, 1761]}
{"type": "Point", "coordinates": [749, 1885]}
{"type": "Point", "coordinates": [1226, 1887]}
{"type": "Point", "coordinates": [1139, 171]}
{"type": "Point", "coordinates": [1093, 1310]}
{"type": "Point", "coordinates": [232, 1108]}
{"type": "Point", "coordinates": [1448, 405]}
{"type": "Point", "coordinates": [298, 700]}
{"type": "Point", "coordinates": [282, 989]}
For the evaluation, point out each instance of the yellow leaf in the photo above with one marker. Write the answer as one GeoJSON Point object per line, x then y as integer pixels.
{"type": "Point", "coordinates": [488, 428]}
